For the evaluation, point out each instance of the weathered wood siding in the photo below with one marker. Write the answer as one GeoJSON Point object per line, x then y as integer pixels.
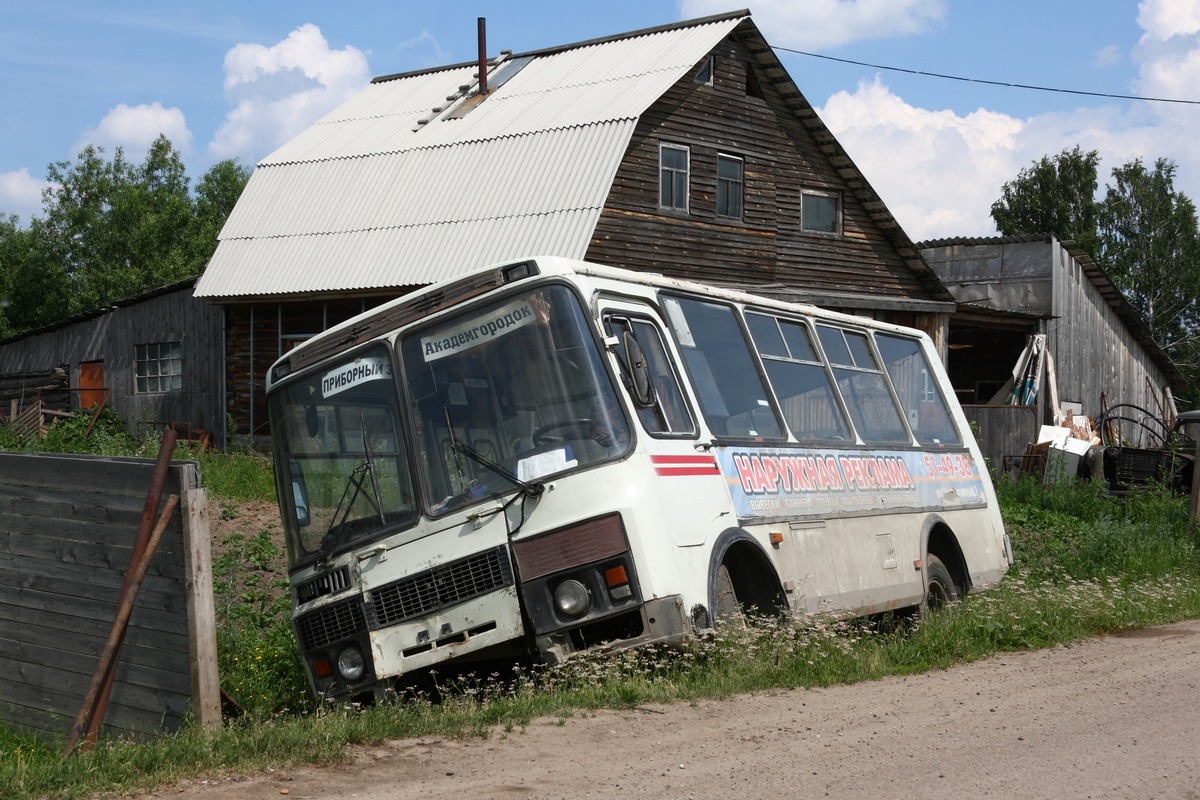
{"type": "Point", "coordinates": [111, 337]}
{"type": "Point", "coordinates": [766, 247]}
{"type": "Point", "coordinates": [1095, 340]}
{"type": "Point", "coordinates": [1002, 431]}
{"type": "Point", "coordinates": [67, 525]}
{"type": "Point", "coordinates": [1094, 350]}
{"type": "Point", "coordinates": [256, 335]}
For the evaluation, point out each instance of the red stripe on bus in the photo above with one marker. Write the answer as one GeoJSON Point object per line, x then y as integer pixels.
{"type": "Point", "coordinates": [670, 466]}
{"type": "Point", "coordinates": [674, 471]}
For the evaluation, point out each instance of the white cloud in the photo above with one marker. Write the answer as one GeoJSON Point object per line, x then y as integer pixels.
{"type": "Point", "coordinates": [280, 90]}
{"type": "Point", "coordinates": [819, 24]}
{"type": "Point", "coordinates": [20, 194]}
{"type": "Point", "coordinates": [937, 172]}
{"type": "Point", "coordinates": [135, 128]}
{"type": "Point", "coordinates": [1162, 19]}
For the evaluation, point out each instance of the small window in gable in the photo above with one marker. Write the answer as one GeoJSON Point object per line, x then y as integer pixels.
{"type": "Point", "coordinates": [753, 89]}
{"type": "Point", "coordinates": [707, 67]}
{"type": "Point", "coordinates": [729, 186]}
{"type": "Point", "coordinates": [820, 212]}
{"type": "Point", "coordinates": [673, 162]}
{"type": "Point", "coordinates": [158, 367]}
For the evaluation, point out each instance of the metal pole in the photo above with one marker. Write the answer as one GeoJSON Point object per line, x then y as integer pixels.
{"type": "Point", "coordinates": [108, 656]}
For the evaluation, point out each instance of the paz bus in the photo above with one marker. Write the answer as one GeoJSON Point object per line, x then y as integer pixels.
{"type": "Point", "coordinates": [548, 455]}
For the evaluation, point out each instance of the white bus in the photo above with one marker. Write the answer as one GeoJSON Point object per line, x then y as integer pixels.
{"type": "Point", "coordinates": [551, 455]}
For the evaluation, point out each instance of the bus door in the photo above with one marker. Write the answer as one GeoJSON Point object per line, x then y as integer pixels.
{"type": "Point", "coordinates": [689, 482]}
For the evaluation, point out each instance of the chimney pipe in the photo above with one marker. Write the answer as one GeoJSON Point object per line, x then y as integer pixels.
{"type": "Point", "coordinates": [483, 88]}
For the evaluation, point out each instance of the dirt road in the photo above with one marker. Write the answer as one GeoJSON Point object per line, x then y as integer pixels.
{"type": "Point", "coordinates": [1117, 717]}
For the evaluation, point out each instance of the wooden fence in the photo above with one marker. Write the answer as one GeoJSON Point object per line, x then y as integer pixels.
{"type": "Point", "coordinates": [1003, 432]}
{"type": "Point", "coordinates": [67, 526]}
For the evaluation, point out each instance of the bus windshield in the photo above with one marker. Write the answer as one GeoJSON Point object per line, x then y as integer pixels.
{"type": "Point", "coordinates": [506, 394]}
{"type": "Point", "coordinates": [345, 472]}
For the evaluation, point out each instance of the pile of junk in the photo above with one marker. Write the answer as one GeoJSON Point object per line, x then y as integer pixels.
{"type": "Point", "coordinates": [1126, 445]}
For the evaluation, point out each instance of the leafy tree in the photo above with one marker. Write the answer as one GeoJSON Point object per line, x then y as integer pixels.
{"type": "Point", "coordinates": [1056, 195]}
{"type": "Point", "coordinates": [1150, 245]}
{"type": "Point", "coordinates": [1143, 233]}
{"type": "Point", "coordinates": [33, 287]}
{"type": "Point", "coordinates": [111, 229]}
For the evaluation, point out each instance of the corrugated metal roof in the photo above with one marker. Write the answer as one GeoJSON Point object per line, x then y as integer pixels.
{"type": "Point", "coordinates": [369, 197]}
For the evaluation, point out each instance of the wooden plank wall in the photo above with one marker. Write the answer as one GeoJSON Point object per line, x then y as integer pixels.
{"type": "Point", "coordinates": [67, 524]}
{"type": "Point", "coordinates": [766, 247]}
{"type": "Point", "coordinates": [256, 335]}
{"type": "Point", "coordinates": [1094, 351]}
{"type": "Point", "coordinates": [1002, 431]}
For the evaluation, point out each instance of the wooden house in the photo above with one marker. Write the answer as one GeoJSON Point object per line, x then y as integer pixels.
{"type": "Point", "coordinates": [154, 358]}
{"type": "Point", "coordinates": [1099, 350]}
{"type": "Point", "coordinates": [685, 150]}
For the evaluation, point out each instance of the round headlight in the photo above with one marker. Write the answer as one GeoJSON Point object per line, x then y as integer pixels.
{"type": "Point", "coordinates": [351, 664]}
{"type": "Point", "coordinates": [573, 598]}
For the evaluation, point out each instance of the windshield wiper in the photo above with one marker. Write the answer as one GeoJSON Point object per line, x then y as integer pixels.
{"type": "Point", "coordinates": [354, 487]}
{"type": "Point", "coordinates": [531, 489]}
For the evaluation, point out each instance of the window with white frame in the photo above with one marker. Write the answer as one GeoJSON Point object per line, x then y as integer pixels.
{"type": "Point", "coordinates": [674, 164]}
{"type": "Point", "coordinates": [704, 75]}
{"type": "Point", "coordinates": [819, 211]}
{"type": "Point", "coordinates": [729, 186]}
{"type": "Point", "coordinates": [158, 367]}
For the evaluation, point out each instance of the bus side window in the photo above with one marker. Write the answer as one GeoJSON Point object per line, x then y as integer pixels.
{"type": "Point", "coordinates": [802, 386]}
{"type": "Point", "coordinates": [732, 394]}
{"type": "Point", "coordinates": [667, 412]}
{"type": "Point", "coordinates": [918, 392]}
{"type": "Point", "coordinates": [863, 386]}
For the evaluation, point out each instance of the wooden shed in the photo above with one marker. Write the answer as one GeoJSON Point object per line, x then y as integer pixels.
{"type": "Point", "coordinates": [154, 358]}
{"type": "Point", "coordinates": [685, 150]}
{"type": "Point", "coordinates": [1098, 349]}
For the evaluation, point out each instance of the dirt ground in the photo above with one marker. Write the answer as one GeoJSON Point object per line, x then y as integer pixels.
{"type": "Point", "coordinates": [1115, 717]}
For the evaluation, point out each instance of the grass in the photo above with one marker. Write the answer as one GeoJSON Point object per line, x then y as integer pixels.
{"type": "Point", "coordinates": [1086, 565]}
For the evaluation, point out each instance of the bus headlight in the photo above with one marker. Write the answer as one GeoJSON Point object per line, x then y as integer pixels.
{"type": "Point", "coordinates": [572, 598]}
{"type": "Point", "coordinates": [351, 664]}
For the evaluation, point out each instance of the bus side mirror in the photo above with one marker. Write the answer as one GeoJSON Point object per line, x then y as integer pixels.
{"type": "Point", "coordinates": [299, 497]}
{"type": "Point", "coordinates": [643, 392]}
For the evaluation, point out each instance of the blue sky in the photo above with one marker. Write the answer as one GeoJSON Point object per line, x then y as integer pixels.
{"type": "Point", "coordinates": [236, 79]}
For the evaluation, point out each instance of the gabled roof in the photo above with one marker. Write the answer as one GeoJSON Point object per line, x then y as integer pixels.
{"type": "Point", "coordinates": [415, 180]}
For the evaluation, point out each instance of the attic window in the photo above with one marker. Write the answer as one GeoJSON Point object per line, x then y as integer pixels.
{"type": "Point", "coordinates": [753, 89]}
{"type": "Point", "coordinates": [820, 212]}
{"type": "Point", "coordinates": [707, 68]}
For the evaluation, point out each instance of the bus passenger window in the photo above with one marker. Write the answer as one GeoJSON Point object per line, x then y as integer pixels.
{"type": "Point", "coordinates": [799, 379]}
{"type": "Point", "coordinates": [913, 380]}
{"type": "Point", "coordinates": [863, 386]}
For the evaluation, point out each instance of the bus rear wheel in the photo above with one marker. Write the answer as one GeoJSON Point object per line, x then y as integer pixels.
{"type": "Point", "coordinates": [940, 590]}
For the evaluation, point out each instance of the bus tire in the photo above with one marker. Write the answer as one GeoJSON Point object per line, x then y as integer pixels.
{"type": "Point", "coordinates": [940, 590]}
{"type": "Point", "coordinates": [727, 608]}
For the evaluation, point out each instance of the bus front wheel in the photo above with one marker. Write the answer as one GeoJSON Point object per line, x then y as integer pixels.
{"type": "Point", "coordinates": [939, 586]}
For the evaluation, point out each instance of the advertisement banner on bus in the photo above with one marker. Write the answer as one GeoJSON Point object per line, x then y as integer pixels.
{"type": "Point", "coordinates": [772, 481]}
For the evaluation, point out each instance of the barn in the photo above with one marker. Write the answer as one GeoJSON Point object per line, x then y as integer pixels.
{"type": "Point", "coordinates": [1095, 351]}
{"type": "Point", "coordinates": [154, 358]}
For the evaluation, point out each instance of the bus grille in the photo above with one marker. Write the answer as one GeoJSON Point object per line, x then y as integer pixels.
{"type": "Point", "coordinates": [442, 586]}
{"type": "Point", "coordinates": [328, 583]}
{"type": "Point", "coordinates": [330, 624]}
